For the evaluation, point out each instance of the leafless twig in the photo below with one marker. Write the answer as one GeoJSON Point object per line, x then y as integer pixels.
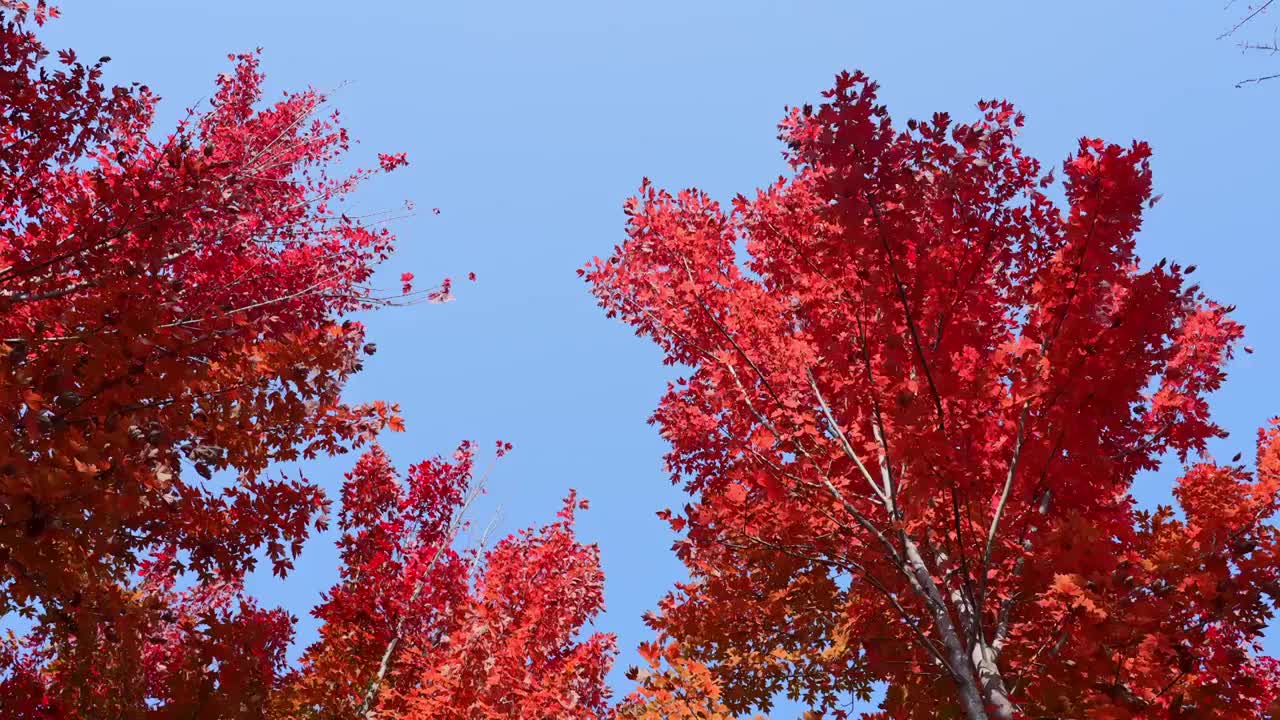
{"type": "Point", "coordinates": [1270, 48]}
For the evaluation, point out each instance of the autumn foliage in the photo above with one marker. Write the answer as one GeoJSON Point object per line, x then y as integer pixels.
{"type": "Point", "coordinates": [672, 687]}
{"type": "Point", "coordinates": [921, 377]}
{"type": "Point", "coordinates": [474, 635]}
{"type": "Point", "coordinates": [919, 390]}
{"type": "Point", "coordinates": [174, 320]}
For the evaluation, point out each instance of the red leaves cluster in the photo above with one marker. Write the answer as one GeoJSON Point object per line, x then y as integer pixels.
{"type": "Point", "coordinates": [672, 688]}
{"type": "Point", "coordinates": [174, 319]}
{"type": "Point", "coordinates": [516, 651]}
{"type": "Point", "coordinates": [171, 309]}
{"type": "Point", "coordinates": [391, 161]}
{"type": "Point", "coordinates": [165, 304]}
{"type": "Point", "coordinates": [209, 647]}
{"type": "Point", "coordinates": [477, 635]}
{"type": "Point", "coordinates": [919, 394]}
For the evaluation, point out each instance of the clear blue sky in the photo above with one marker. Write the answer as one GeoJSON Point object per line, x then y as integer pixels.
{"type": "Point", "coordinates": [527, 124]}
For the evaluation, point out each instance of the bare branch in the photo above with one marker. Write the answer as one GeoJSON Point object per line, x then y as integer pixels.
{"type": "Point", "coordinates": [1243, 21]}
{"type": "Point", "coordinates": [1004, 494]}
{"type": "Point", "coordinates": [1257, 80]}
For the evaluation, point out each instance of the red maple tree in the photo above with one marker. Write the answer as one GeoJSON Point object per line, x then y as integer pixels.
{"type": "Point", "coordinates": [180, 307]}
{"type": "Point", "coordinates": [416, 628]}
{"type": "Point", "coordinates": [919, 394]}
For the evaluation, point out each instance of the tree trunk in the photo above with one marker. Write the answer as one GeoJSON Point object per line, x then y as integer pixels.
{"type": "Point", "coordinates": [967, 688]}
{"type": "Point", "coordinates": [993, 688]}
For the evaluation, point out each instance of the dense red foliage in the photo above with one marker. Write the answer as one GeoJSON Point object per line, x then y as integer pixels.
{"type": "Point", "coordinates": [672, 688]}
{"type": "Point", "coordinates": [175, 308]}
{"type": "Point", "coordinates": [919, 395]}
{"type": "Point", "coordinates": [474, 636]}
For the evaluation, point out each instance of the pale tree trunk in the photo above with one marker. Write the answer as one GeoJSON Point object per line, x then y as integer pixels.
{"type": "Point", "coordinates": [993, 687]}
{"type": "Point", "coordinates": [983, 658]}
{"type": "Point", "coordinates": [971, 700]}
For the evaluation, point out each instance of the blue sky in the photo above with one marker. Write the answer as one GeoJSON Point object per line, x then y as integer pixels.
{"type": "Point", "coordinates": [527, 124]}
